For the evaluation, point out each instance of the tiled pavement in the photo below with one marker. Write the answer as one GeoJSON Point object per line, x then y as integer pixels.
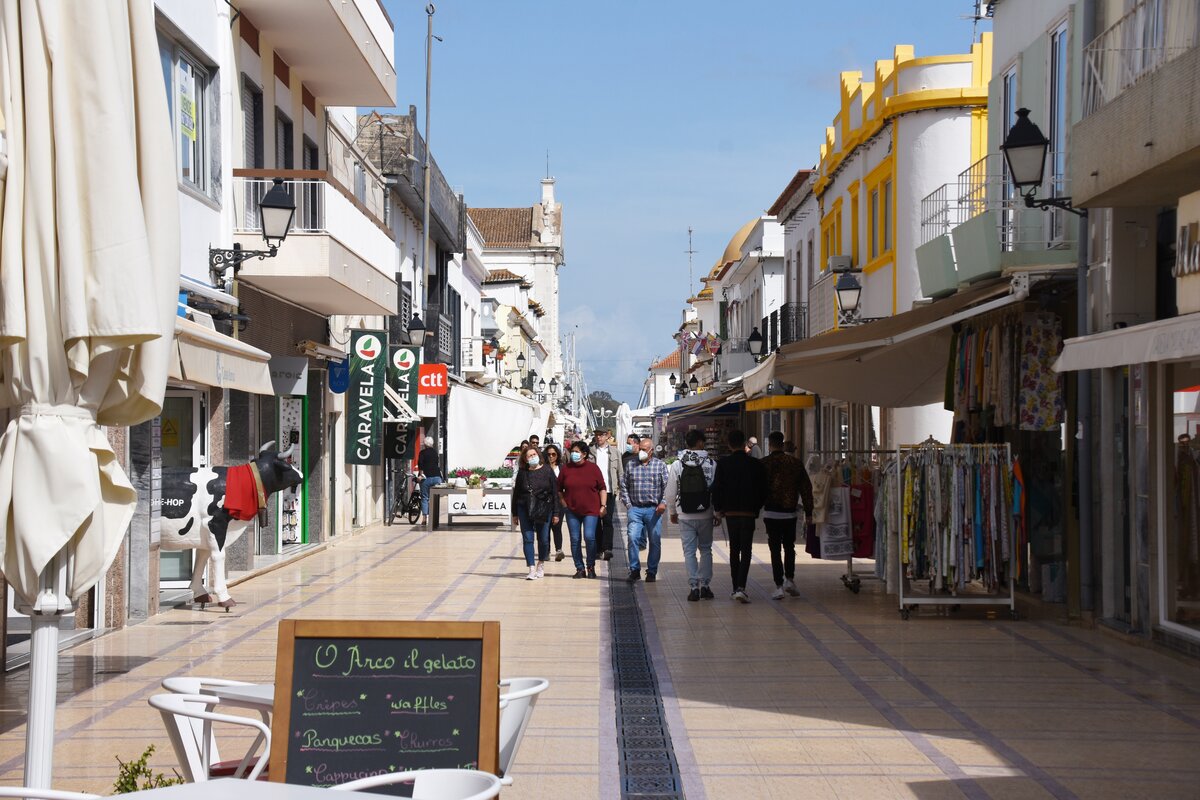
{"type": "Point", "coordinates": [826, 695]}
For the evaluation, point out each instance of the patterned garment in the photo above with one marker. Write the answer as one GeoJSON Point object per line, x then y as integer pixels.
{"type": "Point", "coordinates": [645, 483]}
{"type": "Point", "coordinates": [1040, 400]}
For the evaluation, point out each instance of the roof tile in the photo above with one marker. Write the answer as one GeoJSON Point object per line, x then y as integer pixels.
{"type": "Point", "coordinates": [504, 227]}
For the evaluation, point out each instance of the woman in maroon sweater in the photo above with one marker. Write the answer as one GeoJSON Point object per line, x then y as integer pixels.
{"type": "Point", "coordinates": [584, 498]}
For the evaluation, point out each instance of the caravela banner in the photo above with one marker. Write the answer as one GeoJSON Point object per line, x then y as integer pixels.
{"type": "Point", "coordinates": [364, 399]}
{"type": "Point", "coordinates": [402, 374]}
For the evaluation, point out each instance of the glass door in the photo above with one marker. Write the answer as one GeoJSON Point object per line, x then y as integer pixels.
{"type": "Point", "coordinates": [183, 445]}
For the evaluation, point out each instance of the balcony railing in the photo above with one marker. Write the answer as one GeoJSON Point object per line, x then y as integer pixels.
{"type": "Point", "coordinates": [1150, 35]}
{"type": "Point", "coordinates": [472, 356]}
{"type": "Point", "coordinates": [983, 186]}
{"type": "Point", "coordinates": [793, 322]}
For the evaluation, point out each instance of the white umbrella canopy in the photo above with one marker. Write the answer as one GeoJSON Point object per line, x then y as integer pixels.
{"type": "Point", "coordinates": [89, 275]}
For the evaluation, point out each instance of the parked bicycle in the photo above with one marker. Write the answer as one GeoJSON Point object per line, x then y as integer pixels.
{"type": "Point", "coordinates": [406, 507]}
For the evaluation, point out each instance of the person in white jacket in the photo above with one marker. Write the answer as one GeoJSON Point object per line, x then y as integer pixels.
{"type": "Point", "coordinates": [690, 504]}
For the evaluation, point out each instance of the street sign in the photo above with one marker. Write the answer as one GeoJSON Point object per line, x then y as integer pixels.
{"type": "Point", "coordinates": [339, 376]}
{"type": "Point", "coordinates": [433, 379]}
{"type": "Point", "coordinates": [364, 400]}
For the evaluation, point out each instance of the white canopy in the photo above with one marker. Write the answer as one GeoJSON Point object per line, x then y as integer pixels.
{"type": "Point", "coordinates": [482, 427]}
{"type": "Point", "coordinates": [1175, 339]}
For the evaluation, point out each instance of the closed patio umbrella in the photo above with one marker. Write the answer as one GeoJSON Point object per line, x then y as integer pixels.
{"type": "Point", "coordinates": [89, 275]}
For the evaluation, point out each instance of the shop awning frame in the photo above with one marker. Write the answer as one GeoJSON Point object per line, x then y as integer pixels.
{"type": "Point", "coordinates": [210, 358]}
{"type": "Point", "coordinates": [1166, 340]}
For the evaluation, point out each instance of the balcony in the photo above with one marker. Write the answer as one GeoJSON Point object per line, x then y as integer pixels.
{"type": "Point", "coordinates": [784, 325]}
{"type": "Point", "coordinates": [473, 360]}
{"type": "Point", "coordinates": [1138, 143]}
{"type": "Point", "coordinates": [352, 66]}
{"type": "Point", "coordinates": [339, 258]}
{"type": "Point", "coordinates": [978, 227]}
{"type": "Point", "coordinates": [822, 305]}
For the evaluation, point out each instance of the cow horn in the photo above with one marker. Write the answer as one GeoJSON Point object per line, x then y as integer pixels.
{"type": "Point", "coordinates": [267, 446]}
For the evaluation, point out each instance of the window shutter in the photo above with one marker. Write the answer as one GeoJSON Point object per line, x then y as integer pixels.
{"type": "Point", "coordinates": [721, 312]}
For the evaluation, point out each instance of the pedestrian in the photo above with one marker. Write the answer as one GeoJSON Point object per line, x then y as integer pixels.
{"type": "Point", "coordinates": [535, 506]}
{"type": "Point", "coordinates": [789, 447]}
{"type": "Point", "coordinates": [738, 493]}
{"type": "Point", "coordinates": [430, 467]}
{"type": "Point", "coordinates": [788, 487]}
{"type": "Point", "coordinates": [606, 457]}
{"type": "Point", "coordinates": [584, 497]}
{"type": "Point", "coordinates": [553, 458]}
{"type": "Point", "coordinates": [534, 441]}
{"type": "Point", "coordinates": [642, 492]}
{"type": "Point", "coordinates": [752, 448]}
{"type": "Point", "coordinates": [630, 452]}
{"type": "Point", "coordinates": [689, 499]}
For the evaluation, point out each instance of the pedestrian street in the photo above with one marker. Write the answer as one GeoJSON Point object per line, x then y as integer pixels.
{"type": "Point", "coordinates": [829, 694]}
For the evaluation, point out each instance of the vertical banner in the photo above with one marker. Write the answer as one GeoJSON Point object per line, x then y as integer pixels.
{"type": "Point", "coordinates": [364, 398]}
{"type": "Point", "coordinates": [402, 373]}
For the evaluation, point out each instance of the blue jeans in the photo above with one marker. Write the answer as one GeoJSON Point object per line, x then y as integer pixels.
{"type": "Point", "coordinates": [588, 525]}
{"type": "Point", "coordinates": [530, 529]}
{"type": "Point", "coordinates": [426, 485]}
{"type": "Point", "coordinates": [697, 534]}
{"type": "Point", "coordinates": [644, 522]}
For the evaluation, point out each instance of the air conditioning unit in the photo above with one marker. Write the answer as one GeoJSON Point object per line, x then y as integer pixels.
{"type": "Point", "coordinates": [839, 264]}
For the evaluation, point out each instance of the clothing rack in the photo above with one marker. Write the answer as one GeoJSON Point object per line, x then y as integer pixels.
{"type": "Point", "coordinates": [850, 580]}
{"type": "Point", "coordinates": [953, 598]}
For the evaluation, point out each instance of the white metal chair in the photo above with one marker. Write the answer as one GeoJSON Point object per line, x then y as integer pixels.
{"type": "Point", "coordinates": [188, 719]}
{"type": "Point", "coordinates": [44, 794]}
{"type": "Point", "coordinates": [516, 707]}
{"type": "Point", "coordinates": [434, 784]}
{"type": "Point", "coordinates": [187, 684]}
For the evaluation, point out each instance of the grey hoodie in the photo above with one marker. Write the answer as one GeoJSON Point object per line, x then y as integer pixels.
{"type": "Point", "coordinates": [671, 498]}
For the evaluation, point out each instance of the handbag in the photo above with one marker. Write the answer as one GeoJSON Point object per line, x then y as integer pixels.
{"type": "Point", "coordinates": [541, 505]}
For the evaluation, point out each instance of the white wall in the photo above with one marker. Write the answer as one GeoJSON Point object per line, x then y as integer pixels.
{"type": "Point", "coordinates": [1017, 24]}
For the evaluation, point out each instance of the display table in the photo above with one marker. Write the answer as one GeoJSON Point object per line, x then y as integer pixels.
{"type": "Point", "coordinates": [493, 503]}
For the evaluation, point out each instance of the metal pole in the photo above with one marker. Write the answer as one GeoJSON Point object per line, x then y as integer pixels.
{"type": "Point", "coordinates": [429, 10]}
{"type": "Point", "coordinates": [45, 619]}
{"type": "Point", "coordinates": [1084, 465]}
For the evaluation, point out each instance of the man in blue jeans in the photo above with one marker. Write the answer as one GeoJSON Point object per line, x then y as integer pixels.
{"type": "Point", "coordinates": [642, 492]}
{"type": "Point", "coordinates": [430, 466]}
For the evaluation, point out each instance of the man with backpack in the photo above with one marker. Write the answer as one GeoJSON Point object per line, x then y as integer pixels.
{"type": "Point", "coordinates": [788, 486]}
{"type": "Point", "coordinates": [689, 499]}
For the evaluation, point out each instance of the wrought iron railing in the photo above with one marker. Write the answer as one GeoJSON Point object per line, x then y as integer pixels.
{"type": "Point", "coordinates": [1150, 35]}
{"type": "Point", "coordinates": [793, 322]}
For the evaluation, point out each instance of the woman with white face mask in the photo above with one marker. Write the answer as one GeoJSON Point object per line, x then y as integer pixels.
{"type": "Point", "coordinates": [535, 506]}
{"type": "Point", "coordinates": [581, 485]}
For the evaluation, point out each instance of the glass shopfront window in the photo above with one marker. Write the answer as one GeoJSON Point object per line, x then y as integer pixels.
{"type": "Point", "coordinates": [1181, 548]}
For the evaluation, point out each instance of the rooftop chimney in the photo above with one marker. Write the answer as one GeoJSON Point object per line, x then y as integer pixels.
{"type": "Point", "coordinates": [548, 192]}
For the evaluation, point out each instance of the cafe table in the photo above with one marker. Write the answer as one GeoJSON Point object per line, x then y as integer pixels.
{"type": "Point", "coordinates": [259, 697]}
{"type": "Point", "coordinates": [238, 789]}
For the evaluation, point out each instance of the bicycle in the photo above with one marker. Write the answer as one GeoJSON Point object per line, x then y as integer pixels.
{"type": "Point", "coordinates": [410, 507]}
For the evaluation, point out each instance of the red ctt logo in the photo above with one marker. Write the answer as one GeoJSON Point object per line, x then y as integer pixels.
{"type": "Point", "coordinates": [433, 379]}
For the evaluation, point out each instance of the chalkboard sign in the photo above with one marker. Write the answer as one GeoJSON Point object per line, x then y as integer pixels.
{"type": "Point", "coordinates": [356, 698]}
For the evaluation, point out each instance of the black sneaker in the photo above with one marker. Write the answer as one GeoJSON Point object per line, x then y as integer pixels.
{"type": "Point", "coordinates": [591, 573]}
{"type": "Point", "coordinates": [694, 595]}
{"type": "Point", "coordinates": [607, 555]}
{"type": "Point", "coordinates": [580, 573]}
{"type": "Point", "coordinates": [635, 575]}
{"type": "Point", "coordinates": [706, 593]}
{"type": "Point", "coordinates": [559, 556]}
{"type": "Point", "coordinates": [651, 577]}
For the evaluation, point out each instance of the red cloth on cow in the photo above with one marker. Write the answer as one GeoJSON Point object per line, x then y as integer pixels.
{"type": "Point", "coordinates": [241, 492]}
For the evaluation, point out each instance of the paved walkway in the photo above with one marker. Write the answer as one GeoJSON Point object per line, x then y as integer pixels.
{"type": "Point", "coordinates": [826, 695]}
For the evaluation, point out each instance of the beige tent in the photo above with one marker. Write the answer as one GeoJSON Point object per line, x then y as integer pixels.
{"type": "Point", "coordinates": [89, 271]}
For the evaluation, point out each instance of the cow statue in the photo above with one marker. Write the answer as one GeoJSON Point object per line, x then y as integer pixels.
{"type": "Point", "coordinates": [207, 509]}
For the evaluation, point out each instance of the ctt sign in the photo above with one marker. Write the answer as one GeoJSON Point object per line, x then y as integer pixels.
{"type": "Point", "coordinates": [402, 374]}
{"type": "Point", "coordinates": [364, 398]}
{"type": "Point", "coordinates": [433, 379]}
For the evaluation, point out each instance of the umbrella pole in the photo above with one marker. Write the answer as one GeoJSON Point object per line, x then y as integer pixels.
{"type": "Point", "coordinates": [45, 618]}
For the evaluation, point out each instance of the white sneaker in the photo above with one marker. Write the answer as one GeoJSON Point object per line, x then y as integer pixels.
{"type": "Point", "coordinates": [541, 572]}
{"type": "Point", "coordinates": [790, 588]}
{"type": "Point", "coordinates": [741, 596]}
{"type": "Point", "coordinates": [532, 576]}
{"type": "Point", "coordinates": [778, 594]}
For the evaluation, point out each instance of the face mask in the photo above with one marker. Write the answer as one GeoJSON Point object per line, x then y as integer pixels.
{"type": "Point", "coordinates": [576, 456]}
{"type": "Point", "coordinates": [643, 455]}
{"type": "Point", "coordinates": [533, 461]}
{"type": "Point", "coordinates": [628, 447]}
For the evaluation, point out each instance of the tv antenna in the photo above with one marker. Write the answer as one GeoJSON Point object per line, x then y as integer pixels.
{"type": "Point", "coordinates": [690, 252]}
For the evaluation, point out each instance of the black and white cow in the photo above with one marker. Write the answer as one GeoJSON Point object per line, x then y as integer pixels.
{"type": "Point", "coordinates": [194, 517]}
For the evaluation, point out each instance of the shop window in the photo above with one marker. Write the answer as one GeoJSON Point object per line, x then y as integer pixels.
{"type": "Point", "coordinates": [1182, 548]}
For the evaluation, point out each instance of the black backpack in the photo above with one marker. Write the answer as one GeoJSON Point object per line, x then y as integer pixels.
{"type": "Point", "coordinates": [695, 496]}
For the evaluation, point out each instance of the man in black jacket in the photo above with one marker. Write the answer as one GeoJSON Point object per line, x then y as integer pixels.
{"type": "Point", "coordinates": [430, 467]}
{"type": "Point", "coordinates": [738, 493]}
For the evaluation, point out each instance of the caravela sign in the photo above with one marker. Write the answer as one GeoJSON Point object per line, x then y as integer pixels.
{"type": "Point", "coordinates": [364, 400]}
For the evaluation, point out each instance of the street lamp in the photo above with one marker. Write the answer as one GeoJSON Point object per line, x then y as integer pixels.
{"type": "Point", "coordinates": [1025, 148]}
{"type": "Point", "coordinates": [554, 386]}
{"type": "Point", "coordinates": [673, 380]}
{"type": "Point", "coordinates": [542, 385]}
{"type": "Point", "coordinates": [276, 211]}
{"type": "Point", "coordinates": [521, 361]}
{"type": "Point", "coordinates": [694, 384]}
{"type": "Point", "coordinates": [756, 343]}
{"type": "Point", "coordinates": [416, 330]}
{"type": "Point", "coordinates": [849, 291]}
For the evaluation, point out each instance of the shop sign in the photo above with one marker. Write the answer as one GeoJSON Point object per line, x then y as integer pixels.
{"type": "Point", "coordinates": [364, 399]}
{"type": "Point", "coordinates": [399, 440]}
{"type": "Point", "coordinates": [433, 379]}
{"type": "Point", "coordinates": [289, 375]}
{"type": "Point", "coordinates": [339, 376]}
{"type": "Point", "coordinates": [402, 373]}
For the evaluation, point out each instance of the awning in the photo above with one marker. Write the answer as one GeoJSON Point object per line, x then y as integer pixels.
{"type": "Point", "coordinates": [758, 380]}
{"type": "Point", "coordinates": [781, 402]}
{"type": "Point", "coordinates": [894, 362]}
{"type": "Point", "coordinates": [1175, 339]}
{"type": "Point", "coordinates": [483, 427]}
{"type": "Point", "coordinates": [214, 359]}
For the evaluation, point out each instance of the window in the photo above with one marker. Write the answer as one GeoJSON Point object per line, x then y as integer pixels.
{"type": "Point", "coordinates": [854, 225]}
{"type": "Point", "coordinates": [812, 273]}
{"type": "Point", "coordinates": [873, 222]}
{"type": "Point", "coordinates": [189, 87]}
{"type": "Point", "coordinates": [1008, 119]}
{"type": "Point", "coordinates": [887, 216]}
{"type": "Point", "coordinates": [1058, 125]}
{"type": "Point", "coordinates": [284, 158]}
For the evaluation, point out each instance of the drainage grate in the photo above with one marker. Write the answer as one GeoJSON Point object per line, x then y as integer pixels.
{"type": "Point", "coordinates": [648, 765]}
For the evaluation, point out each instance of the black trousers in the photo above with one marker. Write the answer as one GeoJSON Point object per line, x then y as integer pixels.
{"type": "Point", "coordinates": [741, 540]}
{"type": "Point", "coordinates": [604, 531]}
{"type": "Point", "coordinates": [556, 532]}
{"type": "Point", "coordinates": [782, 533]}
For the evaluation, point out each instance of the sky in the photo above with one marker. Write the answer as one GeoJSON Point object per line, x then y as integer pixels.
{"type": "Point", "coordinates": [658, 115]}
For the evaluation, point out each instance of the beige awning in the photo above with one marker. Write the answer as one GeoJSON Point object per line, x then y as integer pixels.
{"type": "Point", "coordinates": [1175, 339]}
{"type": "Point", "coordinates": [214, 359]}
{"type": "Point", "coordinates": [895, 362]}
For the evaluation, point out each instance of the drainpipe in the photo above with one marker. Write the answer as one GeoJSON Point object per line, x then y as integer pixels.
{"type": "Point", "coordinates": [1084, 466]}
